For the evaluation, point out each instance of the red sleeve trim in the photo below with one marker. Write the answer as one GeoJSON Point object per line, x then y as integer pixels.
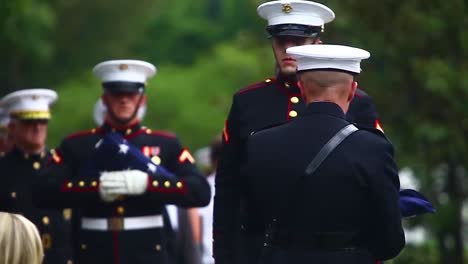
{"type": "Point", "coordinates": [71, 186]}
{"type": "Point", "coordinates": [159, 187]}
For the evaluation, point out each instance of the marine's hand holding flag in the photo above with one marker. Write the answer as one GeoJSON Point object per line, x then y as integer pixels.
{"type": "Point", "coordinates": [125, 182]}
{"type": "Point", "coordinates": [121, 168]}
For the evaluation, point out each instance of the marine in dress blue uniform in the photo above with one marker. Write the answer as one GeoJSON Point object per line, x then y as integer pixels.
{"type": "Point", "coordinates": [5, 139]}
{"type": "Point", "coordinates": [347, 211]}
{"type": "Point", "coordinates": [120, 212]}
{"type": "Point", "coordinates": [179, 231]}
{"type": "Point", "coordinates": [271, 102]}
{"type": "Point", "coordinates": [28, 111]}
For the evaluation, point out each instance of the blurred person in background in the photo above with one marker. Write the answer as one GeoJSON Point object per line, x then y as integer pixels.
{"type": "Point", "coordinates": [121, 210]}
{"type": "Point", "coordinates": [5, 140]}
{"type": "Point", "coordinates": [20, 242]}
{"type": "Point", "coordinates": [206, 213]}
{"type": "Point", "coordinates": [268, 103]}
{"type": "Point", "coordinates": [29, 112]}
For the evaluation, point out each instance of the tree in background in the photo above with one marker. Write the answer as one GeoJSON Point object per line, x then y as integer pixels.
{"type": "Point", "coordinates": [25, 30]}
{"type": "Point", "coordinates": [44, 42]}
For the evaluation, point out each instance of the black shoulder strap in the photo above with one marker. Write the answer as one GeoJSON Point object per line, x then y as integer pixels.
{"type": "Point", "coordinates": [328, 148]}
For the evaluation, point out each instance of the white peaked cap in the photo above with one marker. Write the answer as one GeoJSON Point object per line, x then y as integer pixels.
{"type": "Point", "coordinates": [296, 12]}
{"type": "Point", "coordinates": [311, 57]}
{"type": "Point", "coordinates": [29, 104]}
{"type": "Point", "coordinates": [124, 71]}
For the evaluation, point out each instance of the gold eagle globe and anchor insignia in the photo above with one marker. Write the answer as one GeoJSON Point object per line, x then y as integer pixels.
{"type": "Point", "coordinates": [123, 67]}
{"type": "Point", "coordinates": [287, 8]}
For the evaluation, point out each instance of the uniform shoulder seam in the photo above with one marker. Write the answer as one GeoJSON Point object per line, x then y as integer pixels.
{"type": "Point", "coordinates": [83, 133]}
{"type": "Point", "coordinates": [361, 93]}
{"type": "Point", "coordinates": [257, 85]}
{"type": "Point", "coordinates": [163, 133]}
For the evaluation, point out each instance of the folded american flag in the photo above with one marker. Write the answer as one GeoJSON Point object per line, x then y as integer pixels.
{"type": "Point", "coordinates": [114, 153]}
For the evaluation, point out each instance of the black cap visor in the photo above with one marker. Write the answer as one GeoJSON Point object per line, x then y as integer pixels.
{"type": "Point", "coordinates": [293, 30]}
{"type": "Point", "coordinates": [123, 87]}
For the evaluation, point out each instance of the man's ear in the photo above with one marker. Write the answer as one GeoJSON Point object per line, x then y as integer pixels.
{"type": "Point", "coordinates": [354, 86]}
{"type": "Point", "coordinates": [300, 85]}
{"type": "Point", "coordinates": [143, 100]}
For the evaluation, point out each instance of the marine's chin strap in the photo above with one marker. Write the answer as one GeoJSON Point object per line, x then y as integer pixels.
{"type": "Point", "coordinates": [124, 121]}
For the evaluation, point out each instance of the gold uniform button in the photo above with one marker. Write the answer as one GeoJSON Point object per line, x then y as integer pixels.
{"type": "Point", "coordinates": [120, 210]}
{"type": "Point", "coordinates": [179, 185]}
{"type": "Point", "coordinates": [46, 240]}
{"type": "Point", "coordinates": [287, 85]}
{"type": "Point", "coordinates": [45, 220]}
{"type": "Point", "coordinates": [167, 184]}
{"type": "Point", "coordinates": [93, 130]}
{"type": "Point", "coordinates": [94, 183]}
{"type": "Point", "coordinates": [294, 100]}
{"type": "Point", "coordinates": [148, 131]}
{"type": "Point", "coordinates": [81, 184]}
{"type": "Point", "coordinates": [292, 113]}
{"type": "Point", "coordinates": [13, 195]}
{"type": "Point", "coordinates": [67, 213]}
{"type": "Point", "coordinates": [69, 261]}
{"type": "Point", "coordinates": [156, 160]}
{"type": "Point", "coordinates": [84, 246]}
{"type": "Point", "coordinates": [158, 247]}
{"type": "Point", "coordinates": [70, 184]}
{"type": "Point", "coordinates": [36, 165]}
{"type": "Point", "coordinates": [155, 183]}
{"type": "Point", "coordinates": [268, 80]}
{"type": "Point", "coordinates": [128, 132]}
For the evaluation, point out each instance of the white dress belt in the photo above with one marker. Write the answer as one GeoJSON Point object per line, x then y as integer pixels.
{"type": "Point", "coordinates": [122, 223]}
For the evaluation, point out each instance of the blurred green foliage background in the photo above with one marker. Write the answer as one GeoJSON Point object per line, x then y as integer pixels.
{"type": "Point", "coordinates": [205, 50]}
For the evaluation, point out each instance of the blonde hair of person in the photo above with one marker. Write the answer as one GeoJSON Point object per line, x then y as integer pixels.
{"type": "Point", "coordinates": [20, 242]}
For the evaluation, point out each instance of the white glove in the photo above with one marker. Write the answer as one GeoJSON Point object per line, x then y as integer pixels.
{"type": "Point", "coordinates": [106, 196]}
{"type": "Point", "coordinates": [126, 182]}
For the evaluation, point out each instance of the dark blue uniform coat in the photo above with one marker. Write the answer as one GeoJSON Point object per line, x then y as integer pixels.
{"type": "Point", "coordinates": [66, 187]}
{"type": "Point", "coordinates": [272, 102]}
{"type": "Point", "coordinates": [20, 171]}
{"type": "Point", "coordinates": [346, 212]}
